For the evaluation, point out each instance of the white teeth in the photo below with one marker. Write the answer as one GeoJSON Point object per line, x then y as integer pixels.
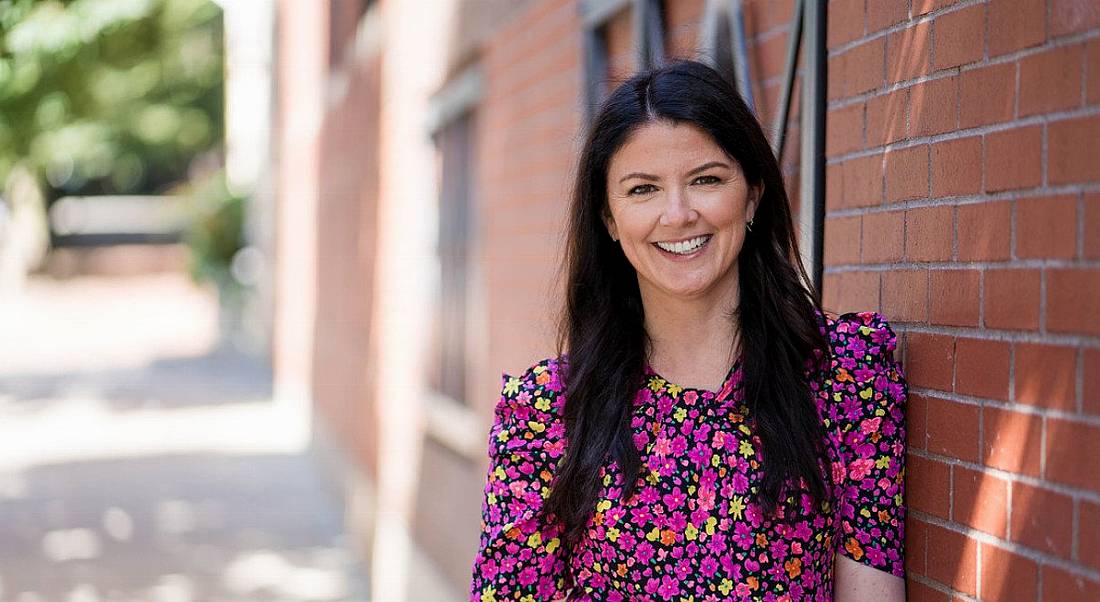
{"type": "Point", "coordinates": [684, 247]}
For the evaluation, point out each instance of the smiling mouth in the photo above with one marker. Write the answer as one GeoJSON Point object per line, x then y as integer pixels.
{"type": "Point", "coordinates": [684, 247]}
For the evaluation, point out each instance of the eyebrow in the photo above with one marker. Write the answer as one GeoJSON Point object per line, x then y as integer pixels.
{"type": "Point", "coordinates": [654, 178]}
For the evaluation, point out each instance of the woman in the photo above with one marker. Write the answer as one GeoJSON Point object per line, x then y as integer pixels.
{"type": "Point", "coordinates": [712, 434]}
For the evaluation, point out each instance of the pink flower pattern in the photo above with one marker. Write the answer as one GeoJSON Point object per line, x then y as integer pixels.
{"type": "Point", "coordinates": [695, 526]}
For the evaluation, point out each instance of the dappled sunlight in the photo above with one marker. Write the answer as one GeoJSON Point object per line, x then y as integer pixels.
{"type": "Point", "coordinates": [71, 544]}
{"type": "Point", "coordinates": [118, 524]}
{"type": "Point", "coordinates": [267, 571]}
{"type": "Point", "coordinates": [151, 463]}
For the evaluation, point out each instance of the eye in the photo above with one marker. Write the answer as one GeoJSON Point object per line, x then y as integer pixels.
{"type": "Point", "coordinates": [708, 179]}
{"type": "Point", "coordinates": [641, 189]}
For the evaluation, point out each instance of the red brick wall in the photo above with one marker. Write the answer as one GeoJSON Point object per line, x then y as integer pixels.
{"type": "Point", "coordinates": [962, 177]}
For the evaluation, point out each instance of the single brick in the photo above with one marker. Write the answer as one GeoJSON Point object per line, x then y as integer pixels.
{"type": "Point", "coordinates": [929, 233]}
{"type": "Point", "coordinates": [1073, 148]}
{"type": "Point", "coordinates": [957, 167]}
{"type": "Point", "coordinates": [981, 499]}
{"type": "Point", "coordinates": [934, 106]}
{"type": "Point", "coordinates": [1007, 575]}
{"type": "Point", "coordinates": [1046, 227]}
{"type": "Point", "coordinates": [883, 236]}
{"type": "Point", "coordinates": [1046, 376]}
{"type": "Point", "coordinates": [1011, 299]}
{"type": "Point", "coordinates": [907, 173]}
{"type": "Point", "coordinates": [981, 368]}
{"type": "Point", "coordinates": [982, 229]}
{"type": "Point", "coordinates": [1013, 158]}
{"type": "Point", "coordinates": [886, 115]}
{"type": "Point", "coordinates": [1013, 440]}
{"type": "Point", "coordinates": [1016, 24]}
{"type": "Point", "coordinates": [959, 37]}
{"type": "Point", "coordinates": [908, 53]}
{"type": "Point", "coordinates": [955, 298]}
{"type": "Point", "coordinates": [905, 294]}
{"type": "Point", "coordinates": [1051, 80]}
{"type": "Point", "coordinates": [987, 95]}
{"type": "Point", "coordinates": [1072, 302]}
{"type": "Point", "coordinates": [1042, 519]}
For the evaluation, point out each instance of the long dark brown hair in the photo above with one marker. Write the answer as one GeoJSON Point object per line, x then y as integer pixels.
{"type": "Point", "coordinates": [602, 326]}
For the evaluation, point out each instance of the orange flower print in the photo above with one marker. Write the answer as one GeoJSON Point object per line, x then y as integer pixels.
{"type": "Point", "coordinates": [794, 567]}
{"type": "Point", "coordinates": [853, 548]}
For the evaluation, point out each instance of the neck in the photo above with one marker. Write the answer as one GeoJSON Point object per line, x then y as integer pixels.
{"type": "Point", "coordinates": [692, 336]}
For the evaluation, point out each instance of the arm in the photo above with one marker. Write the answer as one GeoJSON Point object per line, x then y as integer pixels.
{"type": "Point", "coordinates": [871, 392]}
{"type": "Point", "coordinates": [855, 582]}
{"type": "Point", "coordinates": [519, 555]}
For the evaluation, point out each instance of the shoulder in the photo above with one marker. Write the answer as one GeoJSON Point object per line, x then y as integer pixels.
{"type": "Point", "coordinates": [866, 378]}
{"type": "Point", "coordinates": [860, 337]}
{"type": "Point", "coordinates": [528, 416]}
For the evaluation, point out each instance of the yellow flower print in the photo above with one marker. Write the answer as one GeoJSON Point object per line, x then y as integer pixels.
{"type": "Point", "coordinates": [883, 462]}
{"type": "Point", "coordinates": [542, 403]}
{"type": "Point", "coordinates": [690, 532]}
{"type": "Point", "coordinates": [553, 545]}
{"type": "Point", "coordinates": [745, 449]}
{"type": "Point", "coordinates": [737, 507]}
{"type": "Point", "coordinates": [726, 587]}
{"type": "Point", "coordinates": [512, 386]}
{"type": "Point", "coordinates": [674, 390]}
{"type": "Point", "coordinates": [535, 540]}
{"type": "Point", "coordinates": [656, 383]}
{"type": "Point", "coordinates": [489, 594]}
{"type": "Point", "coordinates": [711, 523]}
{"type": "Point", "coordinates": [613, 534]}
{"type": "Point", "coordinates": [680, 414]}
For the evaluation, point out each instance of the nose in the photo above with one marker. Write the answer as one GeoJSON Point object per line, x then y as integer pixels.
{"type": "Point", "coordinates": [678, 210]}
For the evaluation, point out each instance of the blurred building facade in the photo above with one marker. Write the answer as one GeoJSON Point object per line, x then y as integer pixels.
{"type": "Point", "coordinates": [423, 160]}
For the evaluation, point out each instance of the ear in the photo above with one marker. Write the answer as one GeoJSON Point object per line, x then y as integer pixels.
{"type": "Point", "coordinates": [755, 194]}
{"type": "Point", "coordinates": [609, 223]}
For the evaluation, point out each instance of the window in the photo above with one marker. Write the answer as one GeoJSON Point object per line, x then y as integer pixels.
{"type": "Point", "coordinates": [722, 40]}
{"type": "Point", "coordinates": [455, 142]}
{"type": "Point", "coordinates": [648, 35]}
{"type": "Point", "coordinates": [452, 122]}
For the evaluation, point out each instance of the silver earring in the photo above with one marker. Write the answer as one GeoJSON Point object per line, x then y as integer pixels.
{"type": "Point", "coordinates": [748, 225]}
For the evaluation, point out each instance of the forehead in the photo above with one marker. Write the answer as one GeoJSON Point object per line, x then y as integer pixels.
{"type": "Point", "coordinates": [661, 146]}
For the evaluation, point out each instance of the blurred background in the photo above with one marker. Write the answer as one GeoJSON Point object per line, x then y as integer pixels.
{"type": "Point", "coordinates": [264, 262]}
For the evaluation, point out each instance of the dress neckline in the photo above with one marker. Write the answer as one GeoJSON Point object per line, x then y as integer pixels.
{"type": "Point", "coordinates": [722, 388]}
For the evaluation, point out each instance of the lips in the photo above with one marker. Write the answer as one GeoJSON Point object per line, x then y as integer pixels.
{"type": "Point", "coordinates": [685, 247]}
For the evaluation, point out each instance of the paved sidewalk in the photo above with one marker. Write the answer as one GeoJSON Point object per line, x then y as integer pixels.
{"type": "Point", "coordinates": [141, 462]}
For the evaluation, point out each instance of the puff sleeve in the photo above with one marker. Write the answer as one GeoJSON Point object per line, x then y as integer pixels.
{"type": "Point", "coordinates": [519, 556]}
{"type": "Point", "coordinates": [870, 391]}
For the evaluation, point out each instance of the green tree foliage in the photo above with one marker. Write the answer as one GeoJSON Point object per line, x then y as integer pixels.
{"type": "Point", "coordinates": [109, 96]}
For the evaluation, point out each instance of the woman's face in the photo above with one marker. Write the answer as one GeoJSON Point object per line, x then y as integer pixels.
{"type": "Point", "coordinates": [678, 206]}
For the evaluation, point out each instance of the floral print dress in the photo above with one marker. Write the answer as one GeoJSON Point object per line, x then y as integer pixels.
{"type": "Point", "coordinates": [694, 530]}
